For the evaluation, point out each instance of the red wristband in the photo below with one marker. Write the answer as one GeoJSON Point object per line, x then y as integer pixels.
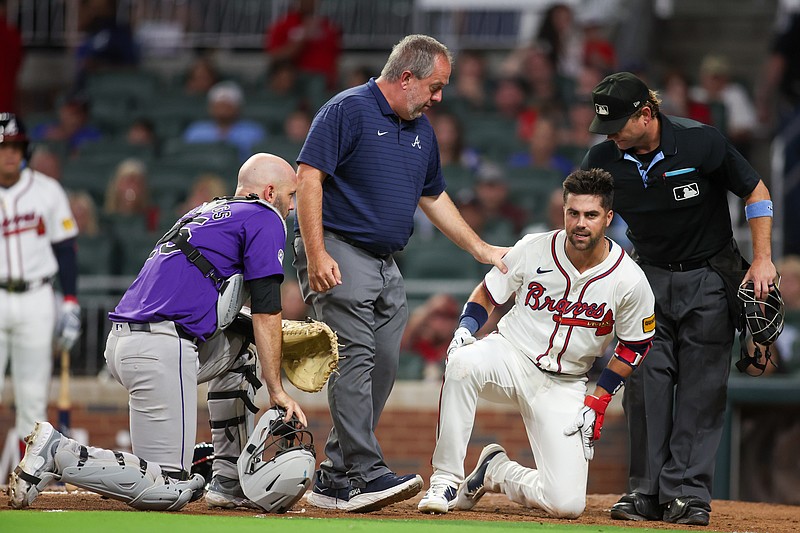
{"type": "Point", "coordinates": [598, 404]}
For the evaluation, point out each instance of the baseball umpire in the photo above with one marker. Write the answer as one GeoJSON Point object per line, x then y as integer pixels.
{"type": "Point", "coordinates": [166, 337]}
{"type": "Point", "coordinates": [37, 240]}
{"type": "Point", "coordinates": [672, 176]}
{"type": "Point", "coordinates": [573, 289]}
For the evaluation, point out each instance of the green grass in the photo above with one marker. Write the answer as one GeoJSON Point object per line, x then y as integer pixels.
{"type": "Point", "coordinates": [152, 522]}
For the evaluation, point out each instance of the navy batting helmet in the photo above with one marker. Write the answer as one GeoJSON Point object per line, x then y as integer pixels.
{"type": "Point", "coordinates": [12, 130]}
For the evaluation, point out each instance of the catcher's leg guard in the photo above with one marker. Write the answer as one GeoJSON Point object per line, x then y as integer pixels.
{"type": "Point", "coordinates": [125, 477]}
{"type": "Point", "coordinates": [232, 412]}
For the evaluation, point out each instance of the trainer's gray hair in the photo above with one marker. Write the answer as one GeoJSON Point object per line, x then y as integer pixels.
{"type": "Point", "coordinates": [415, 53]}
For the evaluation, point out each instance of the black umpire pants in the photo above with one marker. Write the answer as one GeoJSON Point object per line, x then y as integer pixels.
{"type": "Point", "coordinates": [675, 401]}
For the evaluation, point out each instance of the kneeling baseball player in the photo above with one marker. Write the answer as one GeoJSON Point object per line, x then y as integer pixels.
{"type": "Point", "coordinates": [574, 290]}
{"type": "Point", "coordinates": [168, 334]}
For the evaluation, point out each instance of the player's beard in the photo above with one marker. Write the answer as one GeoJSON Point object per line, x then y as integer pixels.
{"type": "Point", "coordinates": [584, 245]}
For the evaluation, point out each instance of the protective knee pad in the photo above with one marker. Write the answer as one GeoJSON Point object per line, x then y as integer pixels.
{"type": "Point", "coordinates": [232, 411]}
{"type": "Point", "coordinates": [124, 477]}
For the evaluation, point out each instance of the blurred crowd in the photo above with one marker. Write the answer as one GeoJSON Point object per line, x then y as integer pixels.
{"type": "Point", "coordinates": [135, 149]}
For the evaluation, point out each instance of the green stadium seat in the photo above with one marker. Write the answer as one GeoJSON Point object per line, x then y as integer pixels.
{"type": "Point", "coordinates": [458, 178]}
{"type": "Point", "coordinates": [136, 86]}
{"type": "Point", "coordinates": [217, 157]}
{"type": "Point", "coordinates": [280, 146]}
{"type": "Point", "coordinates": [410, 366]}
{"type": "Point", "coordinates": [94, 255]}
{"type": "Point", "coordinates": [113, 151]}
{"type": "Point", "coordinates": [270, 110]}
{"type": "Point", "coordinates": [92, 177]}
{"type": "Point", "coordinates": [437, 258]}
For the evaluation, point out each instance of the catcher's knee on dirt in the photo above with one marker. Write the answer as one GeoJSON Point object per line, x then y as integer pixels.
{"type": "Point", "coordinates": [125, 477]}
{"type": "Point", "coordinates": [232, 412]}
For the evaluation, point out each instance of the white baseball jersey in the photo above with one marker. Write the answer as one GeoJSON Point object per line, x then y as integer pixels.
{"type": "Point", "coordinates": [563, 320]}
{"type": "Point", "coordinates": [35, 213]}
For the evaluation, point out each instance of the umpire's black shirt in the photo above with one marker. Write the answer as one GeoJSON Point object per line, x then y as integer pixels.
{"type": "Point", "coordinates": [675, 200]}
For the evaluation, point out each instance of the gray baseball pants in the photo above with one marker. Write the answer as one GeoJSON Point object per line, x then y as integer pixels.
{"type": "Point", "coordinates": [368, 312]}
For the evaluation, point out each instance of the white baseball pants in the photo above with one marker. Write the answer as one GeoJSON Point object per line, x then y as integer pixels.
{"type": "Point", "coordinates": [494, 370]}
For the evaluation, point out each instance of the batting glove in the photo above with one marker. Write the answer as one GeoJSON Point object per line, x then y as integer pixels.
{"type": "Point", "coordinates": [589, 422]}
{"type": "Point", "coordinates": [69, 325]}
{"type": "Point", "coordinates": [461, 337]}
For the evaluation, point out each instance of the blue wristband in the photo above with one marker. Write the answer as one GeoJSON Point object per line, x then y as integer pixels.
{"type": "Point", "coordinates": [610, 380]}
{"type": "Point", "coordinates": [473, 317]}
{"type": "Point", "coordinates": [758, 209]}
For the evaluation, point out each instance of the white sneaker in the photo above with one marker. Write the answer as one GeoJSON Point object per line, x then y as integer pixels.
{"type": "Point", "coordinates": [473, 488]}
{"type": "Point", "coordinates": [440, 498]}
{"type": "Point", "coordinates": [36, 470]}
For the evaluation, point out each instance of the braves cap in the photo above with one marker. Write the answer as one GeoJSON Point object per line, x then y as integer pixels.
{"type": "Point", "coordinates": [615, 99]}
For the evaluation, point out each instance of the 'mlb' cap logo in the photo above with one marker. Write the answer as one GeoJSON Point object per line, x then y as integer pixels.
{"type": "Point", "coordinates": [601, 109]}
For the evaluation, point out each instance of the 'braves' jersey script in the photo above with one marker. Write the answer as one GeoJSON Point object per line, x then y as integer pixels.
{"type": "Point", "coordinates": [236, 237]}
{"type": "Point", "coordinates": [563, 320]}
{"type": "Point", "coordinates": [35, 214]}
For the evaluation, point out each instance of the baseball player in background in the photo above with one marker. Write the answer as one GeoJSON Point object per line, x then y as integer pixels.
{"type": "Point", "coordinates": [37, 241]}
{"type": "Point", "coordinates": [165, 338]}
{"type": "Point", "coordinates": [574, 289]}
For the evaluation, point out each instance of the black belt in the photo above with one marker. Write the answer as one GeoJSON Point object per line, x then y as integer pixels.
{"type": "Point", "coordinates": [134, 326]}
{"type": "Point", "coordinates": [18, 285]}
{"type": "Point", "coordinates": [679, 267]}
{"type": "Point", "coordinates": [355, 244]}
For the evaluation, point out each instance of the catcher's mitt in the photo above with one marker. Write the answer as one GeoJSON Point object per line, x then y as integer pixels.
{"type": "Point", "coordinates": [310, 353]}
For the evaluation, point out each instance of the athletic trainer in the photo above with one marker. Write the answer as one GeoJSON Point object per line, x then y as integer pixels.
{"type": "Point", "coordinates": [369, 160]}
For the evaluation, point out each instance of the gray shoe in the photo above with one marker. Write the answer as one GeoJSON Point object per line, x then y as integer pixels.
{"type": "Point", "coordinates": [36, 470]}
{"type": "Point", "coordinates": [227, 494]}
{"type": "Point", "coordinates": [473, 489]}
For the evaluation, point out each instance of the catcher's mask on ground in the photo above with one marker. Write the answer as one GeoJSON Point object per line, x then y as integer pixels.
{"type": "Point", "coordinates": [763, 318]}
{"type": "Point", "coordinates": [277, 464]}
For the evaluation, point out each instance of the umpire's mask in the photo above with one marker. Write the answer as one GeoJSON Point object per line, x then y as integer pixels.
{"type": "Point", "coordinates": [764, 320]}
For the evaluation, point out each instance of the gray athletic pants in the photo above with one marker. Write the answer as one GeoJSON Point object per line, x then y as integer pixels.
{"type": "Point", "coordinates": [368, 312]}
{"type": "Point", "coordinates": [675, 401]}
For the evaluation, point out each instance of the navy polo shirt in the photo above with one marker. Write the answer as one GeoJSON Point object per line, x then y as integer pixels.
{"type": "Point", "coordinates": [378, 166]}
{"type": "Point", "coordinates": [676, 206]}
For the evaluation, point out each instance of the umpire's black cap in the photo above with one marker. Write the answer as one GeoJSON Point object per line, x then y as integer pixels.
{"type": "Point", "coordinates": [615, 99]}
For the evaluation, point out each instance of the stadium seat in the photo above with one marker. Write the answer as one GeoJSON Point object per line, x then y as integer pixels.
{"type": "Point", "coordinates": [89, 176]}
{"type": "Point", "coordinates": [219, 157]}
{"type": "Point", "coordinates": [137, 86]}
{"type": "Point", "coordinates": [458, 178]}
{"type": "Point", "coordinates": [113, 151]}
{"type": "Point", "coordinates": [94, 255]}
{"type": "Point", "coordinates": [280, 146]}
{"type": "Point", "coordinates": [270, 110]}
{"type": "Point", "coordinates": [438, 258]}
{"type": "Point", "coordinates": [410, 366]}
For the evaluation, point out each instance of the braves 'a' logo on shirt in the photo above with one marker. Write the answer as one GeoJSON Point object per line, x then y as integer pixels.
{"type": "Point", "coordinates": [596, 315]}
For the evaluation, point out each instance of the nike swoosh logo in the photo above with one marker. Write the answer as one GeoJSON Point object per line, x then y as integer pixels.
{"type": "Point", "coordinates": [382, 133]}
{"type": "Point", "coordinates": [540, 271]}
